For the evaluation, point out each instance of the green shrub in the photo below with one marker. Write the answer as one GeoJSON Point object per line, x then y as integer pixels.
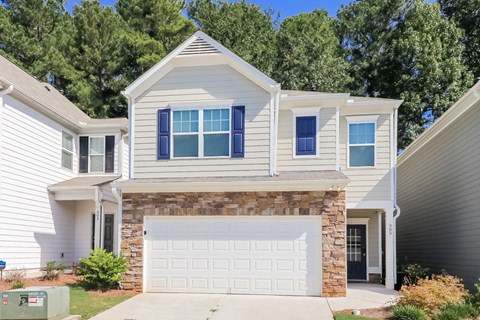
{"type": "Point", "coordinates": [458, 312]}
{"type": "Point", "coordinates": [52, 271]}
{"type": "Point", "coordinates": [413, 273]}
{"type": "Point", "coordinates": [102, 270]}
{"type": "Point", "coordinates": [407, 312]}
{"type": "Point", "coordinates": [18, 284]}
{"type": "Point", "coordinates": [432, 295]}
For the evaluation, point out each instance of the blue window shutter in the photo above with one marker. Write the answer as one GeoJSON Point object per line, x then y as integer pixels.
{"type": "Point", "coordinates": [238, 132]}
{"type": "Point", "coordinates": [163, 143]}
{"type": "Point", "coordinates": [306, 128]}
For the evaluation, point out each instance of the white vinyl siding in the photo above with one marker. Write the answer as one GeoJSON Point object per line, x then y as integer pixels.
{"type": "Point", "coordinates": [34, 228]}
{"type": "Point", "coordinates": [438, 192]}
{"type": "Point", "coordinates": [325, 160]}
{"type": "Point", "coordinates": [368, 184]}
{"type": "Point", "coordinates": [202, 84]}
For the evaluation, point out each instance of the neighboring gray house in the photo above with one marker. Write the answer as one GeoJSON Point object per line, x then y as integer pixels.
{"type": "Point", "coordinates": [439, 193]}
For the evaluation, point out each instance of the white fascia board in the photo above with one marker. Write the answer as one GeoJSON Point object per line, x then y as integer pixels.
{"type": "Point", "coordinates": [237, 186]}
{"type": "Point", "coordinates": [155, 73]}
{"type": "Point", "coordinates": [470, 99]}
{"type": "Point", "coordinates": [368, 204]}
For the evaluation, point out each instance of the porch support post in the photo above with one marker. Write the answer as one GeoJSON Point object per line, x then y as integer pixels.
{"type": "Point", "coordinates": [98, 219]}
{"type": "Point", "coordinates": [389, 249]}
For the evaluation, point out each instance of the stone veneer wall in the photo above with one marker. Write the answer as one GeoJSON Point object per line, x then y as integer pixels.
{"type": "Point", "coordinates": [330, 205]}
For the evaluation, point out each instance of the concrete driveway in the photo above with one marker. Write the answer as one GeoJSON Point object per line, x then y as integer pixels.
{"type": "Point", "coordinates": [218, 307]}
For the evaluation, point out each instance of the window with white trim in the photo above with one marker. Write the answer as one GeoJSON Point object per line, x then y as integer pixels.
{"type": "Point", "coordinates": [67, 150]}
{"type": "Point", "coordinates": [201, 133]}
{"type": "Point", "coordinates": [97, 154]}
{"type": "Point", "coordinates": [361, 144]}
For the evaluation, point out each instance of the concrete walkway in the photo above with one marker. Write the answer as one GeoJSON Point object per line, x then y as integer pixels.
{"type": "Point", "coordinates": [218, 307]}
{"type": "Point", "coordinates": [364, 296]}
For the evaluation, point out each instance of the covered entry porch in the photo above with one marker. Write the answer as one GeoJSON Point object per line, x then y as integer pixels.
{"type": "Point", "coordinates": [370, 246]}
{"type": "Point", "coordinates": [96, 213]}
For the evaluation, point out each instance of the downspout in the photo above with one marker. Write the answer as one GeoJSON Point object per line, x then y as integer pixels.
{"type": "Point", "coordinates": [118, 195]}
{"type": "Point", "coordinates": [276, 115]}
{"type": "Point", "coordinates": [131, 134]}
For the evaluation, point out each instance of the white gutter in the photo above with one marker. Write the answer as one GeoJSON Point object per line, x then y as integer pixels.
{"type": "Point", "coordinates": [118, 195]}
{"type": "Point", "coordinates": [337, 139]}
{"type": "Point", "coordinates": [277, 115]}
{"type": "Point", "coordinates": [131, 134]}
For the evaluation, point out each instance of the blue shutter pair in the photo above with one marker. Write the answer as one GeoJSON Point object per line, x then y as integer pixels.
{"type": "Point", "coordinates": [306, 142]}
{"type": "Point", "coordinates": [237, 130]}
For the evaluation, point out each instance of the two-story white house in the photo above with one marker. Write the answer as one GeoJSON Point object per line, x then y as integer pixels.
{"type": "Point", "coordinates": [56, 169]}
{"type": "Point", "coordinates": [237, 186]}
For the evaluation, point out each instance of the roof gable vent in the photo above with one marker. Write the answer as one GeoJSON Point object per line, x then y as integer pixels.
{"type": "Point", "coordinates": [199, 46]}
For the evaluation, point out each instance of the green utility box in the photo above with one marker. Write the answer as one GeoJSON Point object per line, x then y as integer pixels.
{"type": "Point", "coordinates": [35, 303]}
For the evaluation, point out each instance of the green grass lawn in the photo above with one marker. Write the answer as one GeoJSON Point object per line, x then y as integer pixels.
{"type": "Point", "coordinates": [88, 305]}
{"type": "Point", "coordinates": [351, 317]}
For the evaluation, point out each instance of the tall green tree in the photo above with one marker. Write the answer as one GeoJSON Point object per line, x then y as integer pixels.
{"type": "Point", "coordinates": [34, 33]}
{"type": "Point", "coordinates": [245, 28]}
{"type": "Point", "coordinates": [155, 27]}
{"type": "Point", "coordinates": [406, 51]}
{"type": "Point", "coordinates": [96, 57]}
{"type": "Point", "coordinates": [308, 54]}
{"type": "Point", "coordinates": [466, 13]}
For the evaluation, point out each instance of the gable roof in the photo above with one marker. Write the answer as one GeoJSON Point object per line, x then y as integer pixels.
{"type": "Point", "coordinates": [465, 103]}
{"type": "Point", "coordinates": [46, 98]}
{"type": "Point", "coordinates": [200, 44]}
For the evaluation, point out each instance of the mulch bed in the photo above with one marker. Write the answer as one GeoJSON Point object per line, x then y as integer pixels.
{"type": "Point", "coordinates": [63, 280]}
{"type": "Point", "coordinates": [379, 313]}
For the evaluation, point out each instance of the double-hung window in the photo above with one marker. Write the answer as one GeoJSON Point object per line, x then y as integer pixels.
{"type": "Point", "coordinates": [361, 144]}
{"type": "Point", "coordinates": [201, 133]}
{"type": "Point", "coordinates": [97, 154]}
{"type": "Point", "coordinates": [306, 136]}
{"type": "Point", "coordinates": [67, 150]}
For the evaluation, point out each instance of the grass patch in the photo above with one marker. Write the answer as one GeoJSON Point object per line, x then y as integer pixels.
{"type": "Point", "coordinates": [351, 317]}
{"type": "Point", "coordinates": [88, 305]}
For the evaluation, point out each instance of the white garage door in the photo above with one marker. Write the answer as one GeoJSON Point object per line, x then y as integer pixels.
{"type": "Point", "coordinates": [243, 255]}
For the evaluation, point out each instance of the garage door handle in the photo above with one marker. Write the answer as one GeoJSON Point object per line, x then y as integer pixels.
{"type": "Point", "coordinates": [145, 233]}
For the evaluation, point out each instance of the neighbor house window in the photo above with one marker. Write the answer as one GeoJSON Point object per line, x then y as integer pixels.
{"type": "Point", "coordinates": [67, 150]}
{"type": "Point", "coordinates": [97, 154]}
{"type": "Point", "coordinates": [306, 136]}
{"type": "Point", "coordinates": [361, 138]}
{"type": "Point", "coordinates": [201, 133]}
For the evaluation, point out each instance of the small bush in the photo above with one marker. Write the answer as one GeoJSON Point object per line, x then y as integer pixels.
{"type": "Point", "coordinates": [15, 275]}
{"type": "Point", "coordinates": [413, 273]}
{"type": "Point", "coordinates": [458, 312]}
{"type": "Point", "coordinates": [18, 284]}
{"type": "Point", "coordinates": [52, 271]}
{"type": "Point", "coordinates": [102, 270]}
{"type": "Point", "coordinates": [407, 312]}
{"type": "Point", "coordinates": [433, 294]}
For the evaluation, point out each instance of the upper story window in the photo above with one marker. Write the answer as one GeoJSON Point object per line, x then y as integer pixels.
{"type": "Point", "coordinates": [201, 133]}
{"type": "Point", "coordinates": [306, 136]}
{"type": "Point", "coordinates": [67, 150]}
{"type": "Point", "coordinates": [97, 154]}
{"type": "Point", "coordinates": [361, 144]}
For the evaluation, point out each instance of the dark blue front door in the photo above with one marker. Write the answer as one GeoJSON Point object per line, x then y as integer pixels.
{"type": "Point", "coordinates": [356, 252]}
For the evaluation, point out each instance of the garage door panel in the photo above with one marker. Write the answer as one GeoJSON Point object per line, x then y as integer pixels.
{"type": "Point", "coordinates": [228, 255]}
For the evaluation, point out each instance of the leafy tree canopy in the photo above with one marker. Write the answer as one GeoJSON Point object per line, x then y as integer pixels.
{"type": "Point", "coordinates": [244, 28]}
{"type": "Point", "coordinates": [309, 56]}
